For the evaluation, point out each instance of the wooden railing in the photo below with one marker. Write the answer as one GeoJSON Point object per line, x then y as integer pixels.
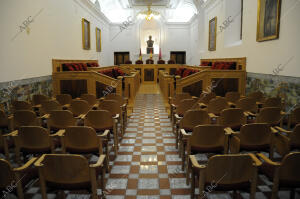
{"type": "Point", "coordinates": [166, 84]}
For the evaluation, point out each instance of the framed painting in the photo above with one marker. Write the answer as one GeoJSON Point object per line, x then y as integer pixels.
{"type": "Point", "coordinates": [98, 40]}
{"type": "Point", "coordinates": [268, 19]}
{"type": "Point", "coordinates": [86, 39]}
{"type": "Point", "coordinates": [212, 34]}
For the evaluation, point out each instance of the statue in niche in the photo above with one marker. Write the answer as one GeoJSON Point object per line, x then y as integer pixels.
{"type": "Point", "coordinates": [150, 43]}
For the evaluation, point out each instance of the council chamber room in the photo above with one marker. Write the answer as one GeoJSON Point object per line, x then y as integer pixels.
{"type": "Point", "coordinates": [149, 99]}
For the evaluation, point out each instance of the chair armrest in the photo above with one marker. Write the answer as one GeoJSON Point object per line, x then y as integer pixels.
{"type": "Point", "coordinates": [95, 106]}
{"type": "Point", "coordinates": [26, 165]}
{"type": "Point", "coordinates": [184, 134]}
{"type": "Point", "coordinates": [106, 132]}
{"type": "Point", "coordinates": [202, 105]}
{"type": "Point", "coordinates": [257, 162]}
{"type": "Point", "coordinates": [231, 104]}
{"type": "Point", "coordinates": [229, 131]}
{"type": "Point", "coordinates": [177, 117]}
{"type": "Point", "coordinates": [60, 133]}
{"type": "Point", "coordinates": [39, 163]}
{"type": "Point", "coordinates": [14, 133]}
{"type": "Point", "coordinates": [251, 114]}
{"type": "Point", "coordinates": [81, 116]}
{"type": "Point", "coordinates": [116, 116]}
{"type": "Point", "coordinates": [99, 162]}
{"type": "Point", "coordinates": [195, 162]}
{"type": "Point", "coordinates": [173, 106]}
{"type": "Point", "coordinates": [267, 160]}
{"type": "Point", "coordinates": [46, 116]}
{"type": "Point", "coordinates": [66, 106]}
{"type": "Point", "coordinates": [194, 97]}
{"type": "Point", "coordinates": [211, 115]}
{"type": "Point", "coordinates": [282, 130]}
{"type": "Point", "coordinates": [246, 114]}
{"type": "Point", "coordinates": [282, 113]}
{"type": "Point", "coordinates": [274, 130]}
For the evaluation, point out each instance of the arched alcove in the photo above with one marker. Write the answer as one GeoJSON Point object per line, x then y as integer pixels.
{"type": "Point", "coordinates": [153, 28]}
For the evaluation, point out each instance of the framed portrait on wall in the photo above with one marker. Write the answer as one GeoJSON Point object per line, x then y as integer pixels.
{"type": "Point", "coordinates": [86, 39]}
{"type": "Point", "coordinates": [212, 34]}
{"type": "Point", "coordinates": [268, 19]}
{"type": "Point", "coordinates": [98, 40]}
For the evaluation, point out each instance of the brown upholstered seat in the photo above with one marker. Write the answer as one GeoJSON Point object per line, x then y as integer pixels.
{"type": "Point", "coordinates": [123, 102]}
{"type": "Point", "coordinates": [161, 61]}
{"type": "Point", "coordinates": [285, 174]}
{"type": "Point", "coordinates": [205, 139]}
{"type": "Point", "coordinates": [229, 172]}
{"type": "Point", "coordinates": [248, 105]}
{"type": "Point", "coordinates": [294, 117]}
{"type": "Point", "coordinates": [171, 61]}
{"type": "Point", "coordinates": [149, 61]}
{"type": "Point", "coordinates": [49, 105]}
{"type": "Point", "coordinates": [232, 97]}
{"type": "Point", "coordinates": [21, 105]}
{"type": "Point", "coordinates": [91, 99]}
{"type": "Point", "coordinates": [37, 99]}
{"type": "Point", "coordinates": [20, 177]}
{"type": "Point", "coordinates": [273, 102]}
{"type": "Point", "coordinates": [64, 99]}
{"type": "Point", "coordinates": [216, 106]}
{"type": "Point", "coordinates": [205, 98]}
{"type": "Point", "coordinates": [258, 96]}
{"type": "Point", "coordinates": [139, 61]}
{"type": "Point", "coordinates": [233, 118]}
{"type": "Point", "coordinates": [79, 107]}
{"type": "Point", "coordinates": [102, 120]}
{"type": "Point", "coordinates": [25, 118]}
{"type": "Point", "coordinates": [270, 115]}
{"type": "Point", "coordinates": [175, 100]}
{"type": "Point", "coordinates": [65, 171]}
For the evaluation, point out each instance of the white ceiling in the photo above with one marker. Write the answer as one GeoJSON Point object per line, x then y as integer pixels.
{"type": "Point", "coordinates": [117, 11]}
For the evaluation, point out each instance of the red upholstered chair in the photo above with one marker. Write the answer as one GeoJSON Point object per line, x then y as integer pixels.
{"type": "Point", "coordinates": [139, 62]}
{"type": "Point", "coordinates": [171, 61]}
{"type": "Point", "coordinates": [149, 61]}
{"type": "Point", "coordinates": [128, 62]}
{"type": "Point", "coordinates": [161, 61]}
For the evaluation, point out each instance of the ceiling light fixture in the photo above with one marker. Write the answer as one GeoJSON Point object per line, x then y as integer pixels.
{"type": "Point", "coordinates": [149, 14]}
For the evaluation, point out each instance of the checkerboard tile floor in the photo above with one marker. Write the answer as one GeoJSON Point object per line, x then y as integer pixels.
{"type": "Point", "coordinates": [148, 165]}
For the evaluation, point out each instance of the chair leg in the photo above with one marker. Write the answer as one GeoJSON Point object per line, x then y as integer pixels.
{"type": "Point", "coordinates": [93, 183]}
{"type": "Point", "coordinates": [103, 180]}
{"type": "Point", "coordinates": [189, 171]}
{"type": "Point", "coordinates": [192, 185]}
{"type": "Point", "coordinates": [43, 185]}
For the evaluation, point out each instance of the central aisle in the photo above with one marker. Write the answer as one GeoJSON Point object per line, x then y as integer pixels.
{"type": "Point", "coordinates": [148, 164]}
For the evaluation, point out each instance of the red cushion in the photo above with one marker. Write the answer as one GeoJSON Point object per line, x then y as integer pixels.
{"type": "Point", "coordinates": [84, 67]}
{"type": "Point", "coordinates": [186, 73]}
{"type": "Point", "coordinates": [70, 67]}
{"type": "Point", "coordinates": [75, 66]}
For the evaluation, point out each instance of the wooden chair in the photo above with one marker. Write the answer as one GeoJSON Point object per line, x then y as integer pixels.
{"type": "Point", "coordinates": [49, 105]}
{"type": "Point", "coordinates": [102, 120]}
{"type": "Point", "coordinates": [284, 174]}
{"type": "Point", "coordinates": [190, 119]}
{"type": "Point", "coordinates": [84, 140]}
{"type": "Point", "coordinates": [270, 115]}
{"type": "Point", "coordinates": [37, 99]}
{"type": "Point", "coordinates": [273, 102]}
{"type": "Point", "coordinates": [180, 109]}
{"type": "Point", "coordinates": [4, 146]}
{"type": "Point", "coordinates": [74, 173]}
{"type": "Point", "coordinates": [252, 137]}
{"type": "Point", "coordinates": [226, 172]}
{"type": "Point", "coordinates": [258, 96]}
{"type": "Point", "coordinates": [33, 140]}
{"type": "Point", "coordinates": [5, 122]}
{"type": "Point", "coordinates": [123, 102]}
{"type": "Point", "coordinates": [20, 106]}
{"type": "Point", "coordinates": [116, 111]}
{"type": "Point", "coordinates": [25, 118]}
{"type": "Point", "coordinates": [91, 99]}
{"type": "Point", "coordinates": [233, 118]}
{"type": "Point", "coordinates": [64, 99]}
{"type": "Point", "coordinates": [175, 100]}
{"type": "Point", "coordinates": [79, 108]}
{"type": "Point", "coordinates": [294, 118]}
{"type": "Point", "coordinates": [205, 98]}
{"type": "Point", "coordinates": [20, 177]}
{"type": "Point", "coordinates": [60, 120]}
{"type": "Point", "coordinates": [215, 106]}
{"type": "Point", "coordinates": [248, 105]}
{"type": "Point", "coordinates": [287, 141]}
{"type": "Point", "coordinates": [232, 98]}
{"type": "Point", "coordinates": [204, 139]}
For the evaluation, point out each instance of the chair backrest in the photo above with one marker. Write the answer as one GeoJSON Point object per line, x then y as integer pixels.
{"type": "Point", "coordinates": [255, 135]}
{"type": "Point", "coordinates": [64, 99]}
{"type": "Point", "coordinates": [3, 119]}
{"type": "Point", "coordinates": [25, 118]}
{"type": "Point", "coordinates": [114, 96]}
{"type": "Point", "coordinates": [295, 137]}
{"type": "Point", "coordinates": [270, 115]}
{"type": "Point", "coordinates": [273, 102]}
{"type": "Point", "coordinates": [180, 96]}
{"type": "Point", "coordinates": [110, 105]}
{"type": "Point", "coordinates": [33, 138]}
{"type": "Point", "coordinates": [38, 99]}
{"type": "Point", "coordinates": [295, 116]}
{"type": "Point", "coordinates": [99, 119]}
{"type": "Point", "coordinates": [208, 137]}
{"type": "Point", "coordinates": [232, 96]}
{"type": "Point", "coordinates": [50, 105]}
{"type": "Point", "coordinates": [193, 118]}
{"type": "Point", "coordinates": [61, 119]}
{"type": "Point", "coordinates": [78, 107]}
{"type": "Point", "coordinates": [232, 117]}
{"type": "Point", "coordinates": [6, 174]}
{"type": "Point", "coordinates": [185, 105]}
{"type": "Point", "coordinates": [289, 170]}
{"type": "Point", "coordinates": [206, 97]}
{"type": "Point", "coordinates": [65, 168]}
{"type": "Point", "coordinates": [79, 139]}
{"type": "Point", "coordinates": [217, 105]}
{"type": "Point", "coordinates": [21, 105]}
{"type": "Point", "coordinates": [91, 99]}
{"type": "Point", "coordinates": [230, 169]}
{"type": "Point", "coordinates": [257, 95]}
{"type": "Point", "coordinates": [247, 104]}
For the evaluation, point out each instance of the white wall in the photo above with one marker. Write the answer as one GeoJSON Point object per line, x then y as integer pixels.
{"type": "Point", "coordinates": [54, 34]}
{"type": "Point", "coordinates": [262, 57]}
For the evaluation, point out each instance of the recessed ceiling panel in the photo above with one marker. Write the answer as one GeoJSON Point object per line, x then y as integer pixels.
{"type": "Point", "coordinates": [147, 2]}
